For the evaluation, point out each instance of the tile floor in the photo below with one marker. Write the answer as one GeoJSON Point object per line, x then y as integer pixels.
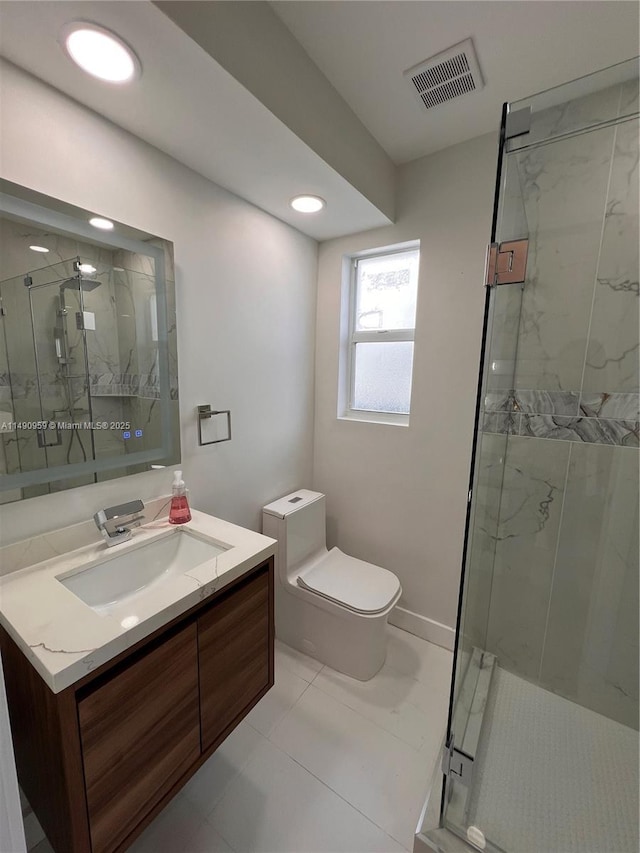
{"type": "Point", "coordinates": [323, 763]}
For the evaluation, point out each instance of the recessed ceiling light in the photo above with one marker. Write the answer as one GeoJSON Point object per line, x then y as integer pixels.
{"type": "Point", "coordinates": [103, 224]}
{"type": "Point", "coordinates": [100, 52]}
{"type": "Point", "coordinates": [38, 249]}
{"type": "Point", "coordinates": [307, 203]}
{"type": "Point", "coordinates": [86, 268]}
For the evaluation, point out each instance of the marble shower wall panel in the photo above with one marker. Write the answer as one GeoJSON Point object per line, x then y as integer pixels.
{"type": "Point", "coordinates": [135, 295]}
{"type": "Point", "coordinates": [564, 186]}
{"type": "Point", "coordinates": [504, 343]}
{"type": "Point", "coordinates": [482, 546]}
{"type": "Point", "coordinates": [575, 114]}
{"type": "Point", "coordinates": [102, 342]}
{"type": "Point", "coordinates": [530, 512]}
{"type": "Point", "coordinates": [591, 648]}
{"type": "Point", "coordinates": [512, 219]}
{"type": "Point", "coordinates": [614, 338]}
{"type": "Point", "coordinates": [104, 358]}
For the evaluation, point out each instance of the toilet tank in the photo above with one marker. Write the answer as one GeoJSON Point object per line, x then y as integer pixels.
{"type": "Point", "coordinates": [298, 522]}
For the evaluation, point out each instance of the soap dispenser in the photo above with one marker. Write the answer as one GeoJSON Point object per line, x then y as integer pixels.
{"type": "Point", "coordinates": [179, 512]}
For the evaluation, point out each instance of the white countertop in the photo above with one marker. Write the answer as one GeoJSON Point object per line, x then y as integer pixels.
{"type": "Point", "coordinates": [65, 639]}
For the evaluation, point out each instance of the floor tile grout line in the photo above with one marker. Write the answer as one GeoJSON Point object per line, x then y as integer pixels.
{"type": "Point", "coordinates": [233, 777]}
{"type": "Point", "coordinates": [311, 773]}
{"type": "Point", "coordinates": [293, 672]}
{"type": "Point", "coordinates": [337, 793]}
{"type": "Point", "coordinates": [416, 749]}
{"type": "Point", "coordinates": [217, 831]}
{"type": "Point", "coordinates": [268, 737]}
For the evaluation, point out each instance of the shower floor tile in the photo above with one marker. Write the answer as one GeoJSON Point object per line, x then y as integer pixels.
{"type": "Point", "coordinates": [552, 776]}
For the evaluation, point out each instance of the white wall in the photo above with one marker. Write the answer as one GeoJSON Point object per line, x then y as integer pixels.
{"type": "Point", "coordinates": [246, 292]}
{"type": "Point", "coordinates": [396, 495]}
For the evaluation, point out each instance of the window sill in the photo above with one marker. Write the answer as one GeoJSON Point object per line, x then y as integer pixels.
{"type": "Point", "coordinates": [387, 418]}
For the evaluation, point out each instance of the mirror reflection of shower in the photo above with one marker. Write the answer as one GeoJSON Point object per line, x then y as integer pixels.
{"type": "Point", "coordinates": [72, 359]}
{"type": "Point", "coordinates": [65, 352]}
{"type": "Point", "coordinates": [88, 381]}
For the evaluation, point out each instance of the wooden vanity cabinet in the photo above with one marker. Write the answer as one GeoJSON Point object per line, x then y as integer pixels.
{"type": "Point", "coordinates": [139, 734]}
{"type": "Point", "coordinates": [99, 760]}
{"type": "Point", "coordinates": [234, 657]}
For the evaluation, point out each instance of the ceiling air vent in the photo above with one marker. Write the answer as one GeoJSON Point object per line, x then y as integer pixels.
{"type": "Point", "coordinates": [447, 75]}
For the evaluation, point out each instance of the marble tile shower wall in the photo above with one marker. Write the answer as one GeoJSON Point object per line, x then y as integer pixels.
{"type": "Point", "coordinates": [576, 363]}
{"type": "Point", "coordinates": [556, 547]}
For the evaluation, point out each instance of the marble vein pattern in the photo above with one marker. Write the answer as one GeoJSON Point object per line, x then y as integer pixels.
{"type": "Point", "coordinates": [63, 637]}
{"type": "Point", "coordinates": [611, 406]}
{"type": "Point", "coordinates": [502, 423]}
{"type": "Point", "coordinates": [612, 357]}
{"type": "Point", "coordinates": [602, 418]}
{"type": "Point", "coordinates": [591, 646]}
{"type": "Point", "coordinates": [529, 400]}
{"type": "Point", "coordinates": [591, 430]}
{"type": "Point", "coordinates": [553, 561]}
{"type": "Point", "coordinates": [482, 543]}
{"type": "Point", "coordinates": [525, 545]}
{"type": "Point", "coordinates": [564, 187]}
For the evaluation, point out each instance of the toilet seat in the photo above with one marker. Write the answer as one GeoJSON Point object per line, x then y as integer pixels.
{"type": "Point", "coordinates": [355, 584]}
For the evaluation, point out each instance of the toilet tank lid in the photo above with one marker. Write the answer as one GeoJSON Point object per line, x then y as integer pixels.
{"type": "Point", "coordinates": [291, 503]}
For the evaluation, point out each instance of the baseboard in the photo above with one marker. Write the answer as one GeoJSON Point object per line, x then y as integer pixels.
{"type": "Point", "coordinates": [422, 626]}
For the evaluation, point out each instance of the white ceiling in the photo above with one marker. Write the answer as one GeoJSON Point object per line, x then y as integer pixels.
{"type": "Point", "coordinates": [187, 105]}
{"type": "Point", "coordinates": [523, 47]}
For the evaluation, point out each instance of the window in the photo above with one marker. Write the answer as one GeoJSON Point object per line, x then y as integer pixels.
{"type": "Point", "coordinates": [383, 294]}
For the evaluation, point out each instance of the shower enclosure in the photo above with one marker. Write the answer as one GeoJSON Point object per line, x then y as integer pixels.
{"type": "Point", "coordinates": [79, 363]}
{"type": "Point", "coordinates": [541, 754]}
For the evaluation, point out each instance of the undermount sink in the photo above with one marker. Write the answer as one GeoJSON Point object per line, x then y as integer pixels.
{"type": "Point", "coordinates": [114, 584]}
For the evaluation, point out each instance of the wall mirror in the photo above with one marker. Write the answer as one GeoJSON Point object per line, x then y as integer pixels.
{"type": "Point", "coordinates": [88, 359]}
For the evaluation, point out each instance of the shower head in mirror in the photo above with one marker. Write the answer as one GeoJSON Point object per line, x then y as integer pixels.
{"type": "Point", "coordinates": [88, 284]}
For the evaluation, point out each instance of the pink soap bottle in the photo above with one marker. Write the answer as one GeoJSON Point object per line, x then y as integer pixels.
{"type": "Point", "coordinates": [179, 512]}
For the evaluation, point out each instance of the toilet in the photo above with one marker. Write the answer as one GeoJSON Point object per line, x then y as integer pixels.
{"type": "Point", "coordinates": [328, 605]}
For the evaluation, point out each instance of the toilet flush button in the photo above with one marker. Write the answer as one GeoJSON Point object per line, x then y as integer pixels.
{"type": "Point", "coordinates": [295, 500]}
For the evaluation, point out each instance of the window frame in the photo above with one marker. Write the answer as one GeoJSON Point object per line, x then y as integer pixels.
{"type": "Point", "coordinates": [354, 337]}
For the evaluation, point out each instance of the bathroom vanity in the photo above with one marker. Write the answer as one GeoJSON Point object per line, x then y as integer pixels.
{"type": "Point", "coordinates": [106, 733]}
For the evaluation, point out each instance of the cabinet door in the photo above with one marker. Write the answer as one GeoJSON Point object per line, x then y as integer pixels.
{"type": "Point", "coordinates": [140, 733]}
{"type": "Point", "coordinates": [235, 647]}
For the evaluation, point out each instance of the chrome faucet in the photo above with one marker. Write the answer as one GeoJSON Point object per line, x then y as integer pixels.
{"type": "Point", "coordinates": [115, 522]}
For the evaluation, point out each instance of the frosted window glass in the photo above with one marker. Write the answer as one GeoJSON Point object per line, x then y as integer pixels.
{"type": "Point", "coordinates": [382, 381]}
{"type": "Point", "coordinates": [387, 288]}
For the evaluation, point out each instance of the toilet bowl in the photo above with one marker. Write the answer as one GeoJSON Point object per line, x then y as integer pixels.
{"type": "Point", "coordinates": [329, 605]}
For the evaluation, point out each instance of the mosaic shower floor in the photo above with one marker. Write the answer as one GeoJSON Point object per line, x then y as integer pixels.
{"type": "Point", "coordinates": [552, 776]}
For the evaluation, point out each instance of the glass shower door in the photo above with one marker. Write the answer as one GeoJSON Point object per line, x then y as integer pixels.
{"type": "Point", "coordinates": [544, 716]}
{"type": "Point", "coordinates": [496, 421]}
